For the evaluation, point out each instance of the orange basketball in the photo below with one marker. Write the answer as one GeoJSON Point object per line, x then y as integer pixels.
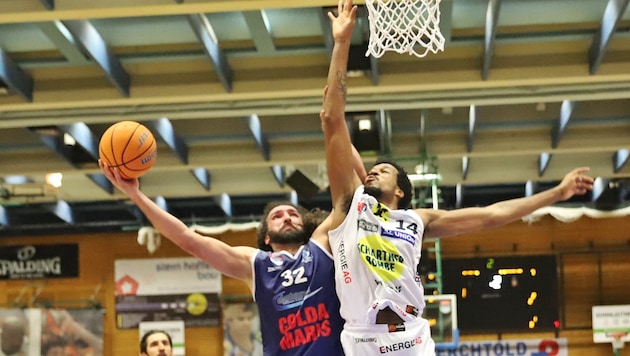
{"type": "Point", "coordinates": [130, 147]}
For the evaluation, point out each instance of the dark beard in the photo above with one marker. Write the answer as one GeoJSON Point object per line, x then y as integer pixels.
{"type": "Point", "coordinates": [288, 237]}
{"type": "Point", "coordinates": [376, 192]}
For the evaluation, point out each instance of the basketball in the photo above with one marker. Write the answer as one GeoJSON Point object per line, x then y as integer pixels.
{"type": "Point", "coordinates": [130, 147]}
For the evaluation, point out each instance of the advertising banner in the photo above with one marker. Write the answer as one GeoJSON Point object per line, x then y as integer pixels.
{"type": "Point", "coordinates": [183, 288]}
{"type": "Point", "coordinates": [39, 261]}
{"type": "Point", "coordinates": [515, 347]}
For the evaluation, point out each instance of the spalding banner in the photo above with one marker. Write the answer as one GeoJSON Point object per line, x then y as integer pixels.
{"type": "Point", "coordinates": [526, 347]}
{"type": "Point", "coordinates": [39, 261]}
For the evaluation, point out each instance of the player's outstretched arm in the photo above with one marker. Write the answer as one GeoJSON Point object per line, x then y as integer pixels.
{"type": "Point", "coordinates": [339, 150]}
{"type": "Point", "coordinates": [230, 261]}
{"type": "Point", "coordinates": [440, 223]}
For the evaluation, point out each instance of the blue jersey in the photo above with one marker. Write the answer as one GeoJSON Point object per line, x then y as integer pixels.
{"type": "Point", "coordinates": [299, 309]}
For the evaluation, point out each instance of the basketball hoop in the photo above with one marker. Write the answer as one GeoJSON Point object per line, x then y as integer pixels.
{"type": "Point", "coordinates": [617, 341]}
{"type": "Point", "coordinates": [404, 26]}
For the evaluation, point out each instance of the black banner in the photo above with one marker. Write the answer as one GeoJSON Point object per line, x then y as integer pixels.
{"type": "Point", "coordinates": [39, 261]}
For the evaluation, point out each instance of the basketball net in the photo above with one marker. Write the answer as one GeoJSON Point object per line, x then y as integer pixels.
{"type": "Point", "coordinates": [404, 26]}
{"type": "Point", "coordinates": [617, 342]}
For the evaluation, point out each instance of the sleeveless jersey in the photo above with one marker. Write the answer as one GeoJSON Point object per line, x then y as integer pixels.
{"type": "Point", "coordinates": [299, 309]}
{"type": "Point", "coordinates": [376, 253]}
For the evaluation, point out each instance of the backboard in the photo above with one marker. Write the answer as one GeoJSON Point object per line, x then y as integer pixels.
{"type": "Point", "coordinates": [611, 323]}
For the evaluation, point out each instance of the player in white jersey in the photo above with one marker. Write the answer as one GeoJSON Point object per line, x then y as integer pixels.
{"type": "Point", "coordinates": [376, 242]}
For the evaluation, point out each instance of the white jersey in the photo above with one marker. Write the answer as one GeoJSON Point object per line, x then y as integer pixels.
{"type": "Point", "coordinates": [376, 252]}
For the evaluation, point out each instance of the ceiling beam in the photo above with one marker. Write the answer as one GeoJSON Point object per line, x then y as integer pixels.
{"type": "Point", "coordinates": [459, 195]}
{"type": "Point", "coordinates": [161, 202]}
{"type": "Point", "coordinates": [385, 132]}
{"type": "Point", "coordinates": [278, 173]}
{"type": "Point", "coordinates": [102, 181]}
{"type": "Point", "coordinates": [82, 134]}
{"type": "Point", "coordinates": [18, 81]}
{"type": "Point", "coordinates": [530, 188]}
{"type": "Point", "coordinates": [472, 124]}
{"type": "Point", "coordinates": [620, 158]}
{"type": "Point", "coordinates": [164, 128]}
{"type": "Point", "coordinates": [566, 111]}
{"type": "Point", "coordinates": [86, 36]}
{"type": "Point", "coordinates": [465, 167]}
{"type": "Point", "coordinates": [54, 139]}
{"type": "Point", "coordinates": [64, 211]}
{"type": "Point", "coordinates": [48, 4]}
{"type": "Point", "coordinates": [203, 177]}
{"type": "Point", "coordinates": [225, 202]}
{"type": "Point", "coordinates": [492, 17]}
{"type": "Point", "coordinates": [205, 33]}
{"type": "Point", "coordinates": [543, 163]}
{"type": "Point", "coordinates": [613, 13]}
{"type": "Point", "coordinates": [255, 128]}
{"type": "Point", "coordinates": [57, 33]}
{"type": "Point", "coordinates": [260, 32]}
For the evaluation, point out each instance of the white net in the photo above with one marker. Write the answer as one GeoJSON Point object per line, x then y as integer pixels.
{"type": "Point", "coordinates": [617, 340]}
{"type": "Point", "coordinates": [404, 26]}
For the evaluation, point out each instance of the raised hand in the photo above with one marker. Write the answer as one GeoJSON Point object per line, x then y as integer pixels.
{"type": "Point", "coordinates": [576, 183]}
{"type": "Point", "coordinates": [343, 24]}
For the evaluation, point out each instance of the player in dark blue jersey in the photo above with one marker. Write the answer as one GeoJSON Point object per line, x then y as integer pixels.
{"type": "Point", "coordinates": [290, 274]}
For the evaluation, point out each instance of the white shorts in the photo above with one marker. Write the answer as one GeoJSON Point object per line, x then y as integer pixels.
{"type": "Point", "coordinates": [377, 339]}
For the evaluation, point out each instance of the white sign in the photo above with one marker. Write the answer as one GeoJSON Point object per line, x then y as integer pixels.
{"type": "Point", "coordinates": [174, 328]}
{"type": "Point", "coordinates": [525, 347]}
{"type": "Point", "coordinates": [610, 319]}
{"type": "Point", "coordinates": [165, 276]}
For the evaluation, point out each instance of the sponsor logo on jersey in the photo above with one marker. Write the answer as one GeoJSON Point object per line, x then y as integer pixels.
{"type": "Point", "coordinates": [304, 326]}
{"type": "Point", "coordinates": [382, 257]}
{"type": "Point", "coordinates": [397, 234]}
{"type": "Point", "coordinates": [403, 345]}
{"type": "Point", "coordinates": [307, 256]}
{"type": "Point", "coordinates": [367, 226]}
{"type": "Point", "coordinates": [361, 340]}
{"type": "Point", "coordinates": [342, 262]}
{"type": "Point", "coordinates": [289, 301]}
{"type": "Point", "coordinates": [380, 211]}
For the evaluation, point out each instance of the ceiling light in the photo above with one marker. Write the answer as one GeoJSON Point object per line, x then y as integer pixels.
{"type": "Point", "coordinates": [54, 179]}
{"type": "Point", "coordinates": [68, 140]}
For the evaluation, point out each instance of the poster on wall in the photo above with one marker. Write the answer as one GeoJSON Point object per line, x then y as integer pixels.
{"type": "Point", "coordinates": [35, 331]}
{"type": "Point", "coordinates": [241, 329]}
{"type": "Point", "coordinates": [182, 288]}
{"type": "Point", "coordinates": [72, 331]}
{"type": "Point", "coordinates": [175, 330]}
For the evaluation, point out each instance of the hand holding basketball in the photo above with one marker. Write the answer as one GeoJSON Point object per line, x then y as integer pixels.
{"type": "Point", "coordinates": [130, 147]}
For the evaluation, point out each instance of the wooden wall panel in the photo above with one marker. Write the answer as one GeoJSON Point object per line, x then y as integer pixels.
{"type": "Point", "coordinates": [580, 288]}
{"type": "Point", "coordinates": [615, 278]}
